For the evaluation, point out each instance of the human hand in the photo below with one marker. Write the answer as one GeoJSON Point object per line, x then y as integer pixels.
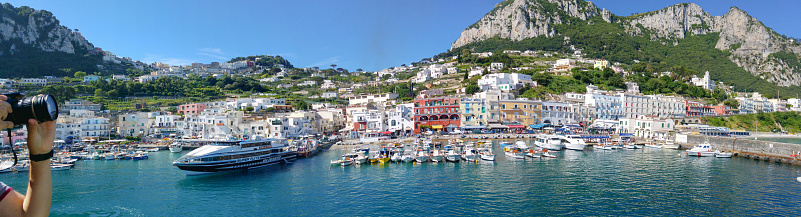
{"type": "Point", "coordinates": [5, 109]}
{"type": "Point", "coordinates": [41, 136]}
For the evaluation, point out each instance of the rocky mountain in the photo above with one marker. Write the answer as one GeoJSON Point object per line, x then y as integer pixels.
{"type": "Point", "coordinates": [747, 43]}
{"type": "Point", "coordinates": [34, 43]}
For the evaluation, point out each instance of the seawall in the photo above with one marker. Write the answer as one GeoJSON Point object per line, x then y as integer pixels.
{"type": "Point", "coordinates": [748, 148]}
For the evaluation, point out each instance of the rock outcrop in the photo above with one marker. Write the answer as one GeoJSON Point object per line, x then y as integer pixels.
{"type": "Point", "coordinates": [521, 19]}
{"type": "Point", "coordinates": [41, 30]}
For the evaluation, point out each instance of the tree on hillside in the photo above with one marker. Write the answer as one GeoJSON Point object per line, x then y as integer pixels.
{"type": "Point", "coordinates": [734, 104]}
{"type": "Point", "coordinates": [80, 74]}
{"type": "Point", "coordinates": [471, 89]}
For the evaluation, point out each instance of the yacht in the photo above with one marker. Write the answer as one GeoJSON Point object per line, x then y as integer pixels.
{"type": "Point", "coordinates": [701, 150]}
{"type": "Point", "coordinates": [228, 155]}
{"type": "Point", "coordinates": [574, 142]}
{"type": "Point", "coordinates": [550, 142]}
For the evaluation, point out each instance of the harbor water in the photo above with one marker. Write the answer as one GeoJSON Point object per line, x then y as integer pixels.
{"type": "Point", "coordinates": [649, 182]}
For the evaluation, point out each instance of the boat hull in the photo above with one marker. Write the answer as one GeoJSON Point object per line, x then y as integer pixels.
{"type": "Point", "coordinates": [700, 153]}
{"type": "Point", "coordinates": [237, 164]}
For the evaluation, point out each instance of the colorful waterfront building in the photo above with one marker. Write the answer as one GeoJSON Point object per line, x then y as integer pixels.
{"type": "Point", "coordinates": [439, 114]}
{"type": "Point", "coordinates": [721, 109]}
{"type": "Point", "coordinates": [191, 109]}
{"type": "Point", "coordinates": [474, 113]}
{"type": "Point", "coordinates": [520, 113]}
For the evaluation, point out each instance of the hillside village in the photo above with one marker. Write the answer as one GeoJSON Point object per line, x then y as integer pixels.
{"type": "Point", "coordinates": [443, 95]}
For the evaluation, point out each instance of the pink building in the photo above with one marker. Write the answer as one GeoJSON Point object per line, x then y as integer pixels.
{"type": "Point", "coordinates": [722, 109]}
{"type": "Point", "coordinates": [191, 109]}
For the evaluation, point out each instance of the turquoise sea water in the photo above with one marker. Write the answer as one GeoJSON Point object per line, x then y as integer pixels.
{"type": "Point", "coordinates": [648, 182]}
{"type": "Point", "coordinates": [784, 140]}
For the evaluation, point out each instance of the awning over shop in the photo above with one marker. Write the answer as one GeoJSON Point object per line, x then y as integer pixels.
{"type": "Point", "coordinates": [573, 125]}
{"type": "Point", "coordinates": [626, 135]}
{"type": "Point", "coordinates": [473, 127]}
{"type": "Point", "coordinates": [386, 132]}
{"type": "Point", "coordinates": [516, 126]}
{"type": "Point", "coordinates": [537, 126]}
{"type": "Point", "coordinates": [496, 126]}
{"type": "Point", "coordinates": [436, 126]}
{"type": "Point", "coordinates": [345, 130]}
{"type": "Point", "coordinates": [594, 137]}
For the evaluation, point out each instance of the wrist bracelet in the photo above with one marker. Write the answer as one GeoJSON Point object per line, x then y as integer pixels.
{"type": "Point", "coordinates": [41, 157]}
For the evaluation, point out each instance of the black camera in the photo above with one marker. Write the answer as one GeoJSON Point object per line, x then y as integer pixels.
{"type": "Point", "coordinates": [42, 107]}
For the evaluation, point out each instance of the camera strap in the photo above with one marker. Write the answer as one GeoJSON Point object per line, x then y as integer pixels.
{"type": "Point", "coordinates": [12, 147]}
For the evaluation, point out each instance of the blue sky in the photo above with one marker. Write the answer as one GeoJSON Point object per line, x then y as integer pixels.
{"type": "Point", "coordinates": [366, 34]}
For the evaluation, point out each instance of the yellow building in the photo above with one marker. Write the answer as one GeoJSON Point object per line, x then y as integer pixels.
{"type": "Point", "coordinates": [601, 64]}
{"type": "Point", "coordinates": [520, 112]}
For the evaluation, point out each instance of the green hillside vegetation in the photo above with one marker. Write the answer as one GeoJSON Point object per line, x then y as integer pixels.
{"type": "Point", "coordinates": [762, 122]}
{"type": "Point", "coordinates": [609, 41]}
{"type": "Point", "coordinates": [265, 60]}
{"type": "Point", "coordinates": [29, 61]}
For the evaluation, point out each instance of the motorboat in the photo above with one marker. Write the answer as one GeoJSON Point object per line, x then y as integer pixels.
{"type": "Point", "coordinates": [57, 166]}
{"type": "Point", "coordinates": [397, 155]}
{"type": "Point", "coordinates": [407, 156]}
{"type": "Point", "coordinates": [486, 154]}
{"type": "Point", "coordinates": [451, 154]}
{"type": "Point", "coordinates": [361, 159]}
{"type": "Point", "coordinates": [533, 154]}
{"type": "Point", "coordinates": [629, 146]}
{"type": "Point", "coordinates": [153, 149]}
{"type": "Point", "coordinates": [470, 154]}
{"type": "Point", "coordinates": [547, 154]}
{"type": "Point", "coordinates": [551, 142]}
{"type": "Point", "coordinates": [670, 145]}
{"type": "Point", "coordinates": [421, 156]}
{"type": "Point", "coordinates": [140, 156]}
{"type": "Point", "coordinates": [701, 150]}
{"type": "Point", "coordinates": [653, 145]}
{"type": "Point", "coordinates": [175, 148]}
{"type": "Point", "coordinates": [720, 154]}
{"type": "Point", "coordinates": [231, 154]}
{"type": "Point", "coordinates": [574, 142]}
{"type": "Point", "coordinates": [517, 151]}
{"type": "Point", "coordinates": [437, 155]}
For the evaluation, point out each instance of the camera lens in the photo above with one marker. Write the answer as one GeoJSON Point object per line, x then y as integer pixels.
{"type": "Point", "coordinates": [42, 107]}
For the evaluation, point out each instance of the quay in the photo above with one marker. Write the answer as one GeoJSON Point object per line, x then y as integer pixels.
{"type": "Point", "coordinates": [750, 148]}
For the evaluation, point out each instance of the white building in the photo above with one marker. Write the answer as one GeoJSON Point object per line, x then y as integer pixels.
{"type": "Point", "coordinates": [496, 66]}
{"type": "Point", "coordinates": [557, 113]}
{"type": "Point", "coordinates": [400, 120]}
{"type": "Point", "coordinates": [308, 83]}
{"type": "Point", "coordinates": [794, 103]}
{"type": "Point", "coordinates": [564, 65]}
{"type": "Point", "coordinates": [504, 81]}
{"type": "Point", "coordinates": [33, 81]}
{"type": "Point", "coordinates": [328, 84]}
{"type": "Point", "coordinates": [377, 99]}
{"type": "Point", "coordinates": [256, 103]}
{"type": "Point", "coordinates": [329, 95]}
{"type": "Point", "coordinates": [646, 127]}
{"type": "Point", "coordinates": [634, 105]}
{"type": "Point", "coordinates": [704, 82]}
{"type": "Point", "coordinates": [6, 83]}
{"type": "Point", "coordinates": [667, 106]}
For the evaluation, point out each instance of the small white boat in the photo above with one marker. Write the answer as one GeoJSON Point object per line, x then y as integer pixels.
{"type": "Point", "coordinates": [153, 149]}
{"type": "Point", "coordinates": [56, 167]}
{"type": "Point", "coordinates": [175, 148]}
{"type": "Point", "coordinates": [629, 146]}
{"type": "Point", "coordinates": [451, 154]}
{"type": "Point", "coordinates": [701, 150]}
{"type": "Point", "coordinates": [421, 156]}
{"type": "Point", "coordinates": [653, 145]}
{"type": "Point", "coordinates": [360, 159]}
{"type": "Point", "coordinates": [548, 155]}
{"type": "Point", "coordinates": [407, 157]}
{"type": "Point", "coordinates": [533, 154]}
{"type": "Point", "coordinates": [345, 161]}
{"type": "Point", "coordinates": [798, 179]}
{"type": "Point", "coordinates": [109, 156]}
{"type": "Point", "coordinates": [437, 155]}
{"type": "Point", "coordinates": [719, 154]}
{"type": "Point", "coordinates": [396, 157]}
{"type": "Point", "coordinates": [670, 145]}
{"type": "Point", "coordinates": [470, 154]}
{"type": "Point", "coordinates": [486, 154]}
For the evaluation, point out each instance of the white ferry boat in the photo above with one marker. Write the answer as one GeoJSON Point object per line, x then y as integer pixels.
{"type": "Point", "coordinates": [228, 155]}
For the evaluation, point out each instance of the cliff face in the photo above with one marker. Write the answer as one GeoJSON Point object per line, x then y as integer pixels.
{"type": "Point", "coordinates": [746, 38]}
{"type": "Point", "coordinates": [37, 29]}
{"type": "Point", "coordinates": [748, 41]}
{"type": "Point", "coordinates": [521, 19]}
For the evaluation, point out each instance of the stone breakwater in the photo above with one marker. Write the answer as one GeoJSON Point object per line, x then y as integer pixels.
{"type": "Point", "coordinates": [749, 148]}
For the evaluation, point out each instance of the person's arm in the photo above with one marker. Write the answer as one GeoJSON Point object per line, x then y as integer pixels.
{"type": "Point", "coordinates": [37, 200]}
